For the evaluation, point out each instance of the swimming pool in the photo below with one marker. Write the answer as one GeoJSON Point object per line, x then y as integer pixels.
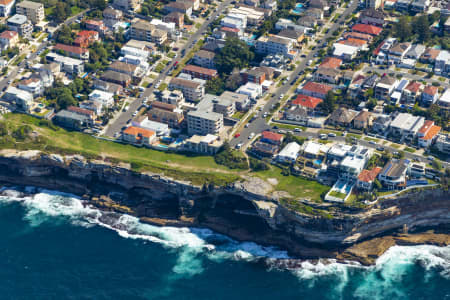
{"type": "Point", "coordinates": [298, 8]}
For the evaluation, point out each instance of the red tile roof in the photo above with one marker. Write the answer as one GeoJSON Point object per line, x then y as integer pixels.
{"type": "Point", "coordinates": [71, 49]}
{"type": "Point", "coordinates": [139, 131]}
{"type": "Point", "coordinates": [353, 42]}
{"type": "Point", "coordinates": [358, 35]}
{"type": "Point", "coordinates": [369, 29]}
{"type": "Point", "coordinates": [377, 50]}
{"type": "Point", "coordinates": [369, 175]}
{"type": "Point", "coordinates": [432, 132]}
{"type": "Point", "coordinates": [88, 33]}
{"type": "Point", "coordinates": [331, 63]}
{"type": "Point", "coordinates": [317, 87]}
{"type": "Point", "coordinates": [200, 70]}
{"type": "Point", "coordinates": [94, 22]}
{"type": "Point", "coordinates": [8, 34]}
{"type": "Point", "coordinates": [80, 110]}
{"type": "Point", "coordinates": [269, 135]}
{"type": "Point", "coordinates": [414, 87]}
{"type": "Point", "coordinates": [426, 126]}
{"type": "Point", "coordinates": [229, 29]}
{"type": "Point", "coordinates": [307, 101]}
{"type": "Point", "coordinates": [5, 2]}
{"type": "Point", "coordinates": [430, 90]}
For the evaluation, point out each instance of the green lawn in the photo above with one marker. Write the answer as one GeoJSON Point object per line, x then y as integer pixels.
{"type": "Point", "coordinates": [159, 68]}
{"type": "Point", "coordinates": [409, 149]}
{"type": "Point", "coordinates": [337, 194]}
{"type": "Point", "coordinates": [288, 126]}
{"type": "Point", "coordinates": [162, 87]}
{"type": "Point", "coordinates": [239, 114]}
{"type": "Point", "coordinates": [171, 54]}
{"type": "Point", "coordinates": [396, 146]}
{"type": "Point", "coordinates": [371, 139]}
{"type": "Point", "coordinates": [296, 186]}
{"type": "Point", "coordinates": [327, 131]}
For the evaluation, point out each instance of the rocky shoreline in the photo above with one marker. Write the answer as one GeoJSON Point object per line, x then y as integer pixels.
{"type": "Point", "coordinates": [247, 210]}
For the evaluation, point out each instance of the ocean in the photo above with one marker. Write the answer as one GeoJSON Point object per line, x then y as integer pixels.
{"type": "Point", "coordinates": [53, 247]}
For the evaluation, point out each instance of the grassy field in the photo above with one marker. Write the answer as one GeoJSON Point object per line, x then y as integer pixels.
{"type": "Point", "coordinates": [409, 149]}
{"type": "Point", "coordinates": [198, 169]}
{"type": "Point", "coordinates": [239, 114]}
{"type": "Point", "coordinates": [159, 67]}
{"type": "Point", "coordinates": [288, 126]}
{"type": "Point", "coordinates": [296, 186]}
{"type": "Point", "coordinates": [337, 194]}
{"type": "Point", "coordinates": [371, 139]}
{"type": "Point", "coordinates": [327, 131]}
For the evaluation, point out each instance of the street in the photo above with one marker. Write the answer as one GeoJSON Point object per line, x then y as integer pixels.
{"type": "Point", "coordinates": [259, 124]}
{"type": "Point", "coordinates": [122, 119]}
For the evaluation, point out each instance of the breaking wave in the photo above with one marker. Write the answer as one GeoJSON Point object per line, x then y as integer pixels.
{"type": "Point", "coordinates": [193, 245]}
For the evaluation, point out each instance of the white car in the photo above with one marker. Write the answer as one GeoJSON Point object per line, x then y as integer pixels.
{"type": "Point", "coordinates": [252, 135]}
{"type": "Point", "coordinates": [297, 129]}
{"type": "Point", "coordinates": [332, 134]}
{"type": "Point", "coordinates": [239, 146]}
{"type": "Point", "coordinates": [135, 113]}
{"type": "Point", "coordinates": [246, 125]}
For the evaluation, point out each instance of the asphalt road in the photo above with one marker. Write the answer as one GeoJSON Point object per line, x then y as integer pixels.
{"type": "Point", "coordinates": [121, 121]}
{"type": "Point", "coordinates": [259, 124]}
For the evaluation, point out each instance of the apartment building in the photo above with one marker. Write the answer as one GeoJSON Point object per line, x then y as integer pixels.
{"type": "Point", "coordinates": [204, 122]}
{"type": "Point", "coordinates": [393, 175]}
{"type": "Point", "coordinates": [20, 24]}
{"type": "Point", "coordinates": [443, 143]}
{"type": "Point", "coordinates": [67, 64]}
{"type": "Point", "coordinates": [192, 90]}
{"type": "Point", "coordinates": [9, 39]}
{"type": "Point", "coordinates": [274, 45]}
{"type": "Point", "coordinates": [34, 11]}
{"type": "Point", "coordinates": [144, 31]}
{"type": "Point", "coordinates": [200, 72]}
{"type": "Point", "coordinates": [73, 51]}
{"type": "Point", "coordinates": [204, 59]}
{"type": "Point", "coordinates": [406, 125]}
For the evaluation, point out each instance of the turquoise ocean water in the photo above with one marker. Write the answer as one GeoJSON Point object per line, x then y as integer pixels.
{"type": "Point", "coordinates": [52, 247]}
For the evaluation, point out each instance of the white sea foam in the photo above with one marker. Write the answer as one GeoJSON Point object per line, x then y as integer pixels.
{"type": "Point", "coordinates": [192, 245]}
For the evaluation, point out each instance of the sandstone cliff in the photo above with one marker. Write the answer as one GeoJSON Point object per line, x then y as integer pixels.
{"type": "Point", "coordinates": [245, 210]}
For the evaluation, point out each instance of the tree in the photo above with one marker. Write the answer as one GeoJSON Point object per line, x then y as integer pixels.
{"type": "Point", "coordinates": [235, 54]}
{"type": "Point", "coordinates": [215, 86]}
{"type": "Point", "coordinates": [377, 184]}
{"type": "Point", "coordinates": [233, 81]}
{"type": "Point", "coordinates": [422, 28]}
{"type": "Point", "coordinates": [371, 103]}
{"type": "Point", "coordinates": [65, 99]}
{"type": "Point", "coordinates": [437, 165]}
{"type": "Point", "coordinates": [402, 29]}
{"type": "Point", "coordinates": [329, 103]}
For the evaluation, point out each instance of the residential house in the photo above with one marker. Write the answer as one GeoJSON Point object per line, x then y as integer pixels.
{"type": "Point", "coordinates": [314, 89]}
{"type": "Point", "coordinates": [6, 7]}
{"type": "Point", "coordinates": [317, 13]}
{"type": "Point", "coordinates": [204, 122]}
{"type": "Point", "coordinates": [271, 137]}
{"type": "Point", "coordinates": [327, 75]}
{"type": "Point", "coordinates": [84, 112]}
{"type": "Point", "coordinates": [32, 85]}
{"type": "Point", "coordinates": [73, 51]}
{"type": "Point", "coordinates": [173, 118]}
{"type": "Point", "coordinates": [139, 136]}
{"type": "Point", "coordinates": [385, 87]}
{"type": "Point", "coordinates": [402, 5]}
{"type": "Point", "coordinates": [430, 55]}
{"type": "Point", "coordinates": [124, 68]}
{"type": "Point", "coordinates": [358, 35]}
{"type": "Point", "coordinates": [204, 59]}
{"type": "Point", "coordinates": [174, 97]}
{"type": "Point", "coordinates": [412, 92]}
{"type": "Point", "coordinates": [22, 99]}
{"type": "Point", "coordinates": [372, 16]}
{"type": "Point", "coordinates": [180, 7]}
{"type": "Point", "coordinates": [116, 77]}
{"type": "Point", "coordinates": [110, 87]}
{"type": "Point", "coordinates": [106, 99]}
{"type": "Point", "coordinates": [192, 90]}
{"type": "Point", "coordinates": [443, 143]}
{"type": "Point", "coordinates": [289, 153]}
{"type": "Point", "coordinates": [262, 149]}
{"type": "Point", "coordinates": [444, 100]}
{"type": "Point", "coordinates": [331, 63]}
{"type": "Point", "coordinates": [427, 134]}
{"type": "Point", "coordinates": [321, 4]}
{"type": "Point", "coordinates": [95, 25]}
{"type": "Point", "coordinates": [9, 39]}
{"type": "Point", "coordinates": [366, 179]}
{"type": "Point", "coordinates": [367, 29]}
{"type": "Point", "coordinates": [345, 52]}
{"type": "Point", "coordinates": [295, 35]}
{"type": "Point", "coordinates": [430, 95]}
{"type": "Point", "coordinates": [200, 72]}
{"type": "Point", "coordinates": [415, 52]}
{"type": "Point", "coordinates": [375, 4]}
{"type": "Point", "coordinates": [363, 120]}
{"type": "Point", "coordinates": [93, 106]}
{"type": "Point", "coordinates": [420, 6]}
{"type": "Point", "coordinates": [406, 125]}
{"type": "Point", "coordinates": [175, 17]}
{"type": "Point", "coordinates": [67, 64]}
{"type": "Point", "coordinates": [397, 52]}
{"type": "Point", "coordinates": [393, 175]}
{"type": "Point", "coordinates": [342, 117]}
{"type": "Point", "coordinates": [127, 5]}
{"type": "Point", "coordinates": [207, 144]}
{"type": "Point", "coordinates": [381, 124]}
{"type": "Point", "coordinates": [85, 38]}
{"type": "Point", "coordinates": [309, 22]}
{"type": "Point", "coordinates": [71, 120]}
{"type": "Point", "coordinates": [110, 13]}
{"type": "Point", "coordinates": [252, 90]}
{"type": "Point", "coordinates": [254, 75]}
{"type": "Point", "coordinates": [34, 11]}
{"type": "Point", "coordinates": [297, 114]}
{"type": "Point", "coordinates": [442, 63]}
{"type": "Point", "coordinates": [307, 102]}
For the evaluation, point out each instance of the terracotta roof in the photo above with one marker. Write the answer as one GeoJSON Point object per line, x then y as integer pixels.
{"type": "Point", "coordinates": [5, 2]}
{"type": "Point", "coordinates": [201, 70]}
{"type": "Point", "coordinates": [139, 131]}
{"type": "Point", "coordinates": [430, 90]}
{"type": "Point", "coordinates": [307, 101]}
{"type": "Point", "coordinates": [369, 29]}
{"type": "Point", "coordinates": [71, 49]}
{"type": "Point", "coordinates": [229, 29]}
{"type": "Point", "coordinates": [87, 33]}
{"type": "Point", "coordinates": [414, 87]}
{"type": "Point", "coordinates": [269, 135]}
{"type": "Point", "coordinates": [162, 105]}
{"type": "Point", "coordinates": [358, 35]}
{"type": "Point", "coordinates": [8, 34]}
{"type": "Point", "coordinates": [431, 53]}
{"type": "Point", "coordinates": [184, 82]}
{"type": "Point", "coordinates": [426, 126]}
{"type": "Point", "coordinates": [369, 175]}
{"type": "Point", "coordinates": [353, 42]}
{"type": "Point", "coordinates": [432, 132]}
{"type": "Point", "coordinates": [94, 22]}
{"type": "Point", "coordinates": [362, 116]}
{"type": "Point", "coordinates": [331, 63]}
{"type": "Point", "coordinates": [80, 110]}
{"type": "Point", "coordinates": [317, 87]}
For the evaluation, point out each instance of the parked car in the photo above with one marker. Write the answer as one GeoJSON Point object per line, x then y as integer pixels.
{"type": "Point", "coordinates": [252, 135]}
{"type": "Point", "coordinates": [332, 134]}
{"type": "Point", "coordinates": [297, 129]}
{"type": "Point", "coordinates": [323, 136]}
{"type": "Point", "coordinates": [237, 135]}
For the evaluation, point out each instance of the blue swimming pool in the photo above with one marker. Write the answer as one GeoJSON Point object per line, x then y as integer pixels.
{"type": "Point", "coordinates": [318, 162]}
{"type": "Point", "coordinates": [298, 8]}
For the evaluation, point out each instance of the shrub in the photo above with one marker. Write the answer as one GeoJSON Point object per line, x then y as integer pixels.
{"type": "Point", "coordinates": [258, 165]}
